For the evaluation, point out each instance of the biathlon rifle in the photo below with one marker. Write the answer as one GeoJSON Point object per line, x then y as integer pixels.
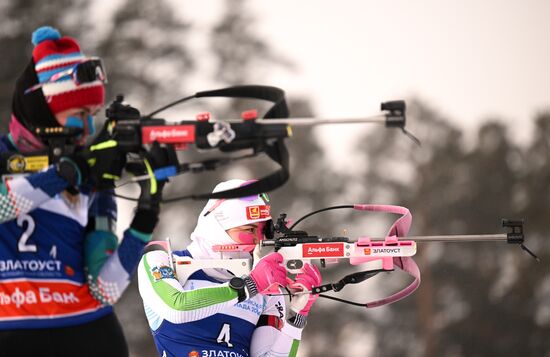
{"type": "Point", "coordinates": [135, 133]}
{"type": "Point", "coordinates": [383, 254]}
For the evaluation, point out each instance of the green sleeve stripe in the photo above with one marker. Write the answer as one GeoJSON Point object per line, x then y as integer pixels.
{"type": "Point", "coordinates": [294, 348]}
{"type": "Point", "coordinates": [189, 300]}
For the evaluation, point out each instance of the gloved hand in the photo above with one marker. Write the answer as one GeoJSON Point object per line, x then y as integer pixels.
{"type": "Point", "coordinates": [100, 165]}
{"type": "Point", "coordinates": [266, 273]}
{"type": "Point", "coordinates": [106, 162]}
{"type": "Point", "coordinates": [150, 197]}
{"type": "Point", "coordinates": [151, 189]}
{"type": "Point", "coordinates": [310, 277]}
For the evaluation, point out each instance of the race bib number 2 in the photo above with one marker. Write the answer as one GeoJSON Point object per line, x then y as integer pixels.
{"type": "Point", "coordinates": [22, 244]}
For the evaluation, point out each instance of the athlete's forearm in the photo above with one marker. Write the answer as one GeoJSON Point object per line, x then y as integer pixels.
{"type": "Point", "coordinates": [23, 194]}
{"type": "Point", "coordinates": [110, 268]}
{"type": "Point", "coordinates": [163, 293]}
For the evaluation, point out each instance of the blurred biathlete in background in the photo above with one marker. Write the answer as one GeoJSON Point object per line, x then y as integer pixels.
{"type": "Point", "coordinates": [61, 265]}
{"type": "Point", "coordinates": [214, 313]}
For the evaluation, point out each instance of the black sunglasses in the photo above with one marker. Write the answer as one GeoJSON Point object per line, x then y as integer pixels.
{"type": "Point", "coordinates": [89, 70]}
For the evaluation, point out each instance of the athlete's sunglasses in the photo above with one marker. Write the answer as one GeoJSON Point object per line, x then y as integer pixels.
{"type": "Point", "coordinates": [89, 70]}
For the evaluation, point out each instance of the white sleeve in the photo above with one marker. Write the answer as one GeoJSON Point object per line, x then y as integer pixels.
{"type": "Point", "coordinates": [272, 340]}
{"type": "Point", "coordinates": [163, 294]}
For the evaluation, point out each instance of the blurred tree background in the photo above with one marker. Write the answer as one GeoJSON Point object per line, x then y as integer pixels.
{"type": "Point", "coordinates": [482, 299]}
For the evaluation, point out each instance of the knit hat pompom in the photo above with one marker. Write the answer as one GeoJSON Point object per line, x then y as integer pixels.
{"type": "Point", "coordinates": [45, 33]}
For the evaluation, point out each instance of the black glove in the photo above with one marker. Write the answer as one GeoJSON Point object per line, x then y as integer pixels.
{"type": "Point", "coordinates": [100, 165]}
{"type": "Point", "coordinates": [104, 158]}
{"type": "Point", "coordinates": [148, 207]}
{"type": "Point", "coordinates": [106, 163]}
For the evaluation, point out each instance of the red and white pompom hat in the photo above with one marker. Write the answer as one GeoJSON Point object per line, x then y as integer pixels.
{"type": "Point", "coordinates": [53, 54]}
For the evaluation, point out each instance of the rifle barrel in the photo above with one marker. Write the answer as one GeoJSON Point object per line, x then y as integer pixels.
{"type": "Point", "coordinates": [420, 239]}
{"type": "Point", "coordinates": [381, 118]}
{"type": "Point", "coordinates": [454, 238]}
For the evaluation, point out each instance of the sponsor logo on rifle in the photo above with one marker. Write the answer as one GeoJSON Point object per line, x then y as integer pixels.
{"type": "Point", "coordinates": [323, 250]}
{"type": "Point", "coordinates": [169, 134]}
{"type": "Point", "coordinates": [19, 163]}
{"type": "Point", "coordinates": [257, 212]}
{"type": "Point", "coordinates": [367, 251]}
{"type": "Point", "coordinates": [384, 250]}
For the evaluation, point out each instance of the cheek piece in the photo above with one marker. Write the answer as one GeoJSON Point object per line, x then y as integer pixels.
{"type": "Point", "coordinates": [76, 122]}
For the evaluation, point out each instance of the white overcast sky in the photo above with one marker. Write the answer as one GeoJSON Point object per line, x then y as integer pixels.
{"type": "Point", "coordinates": [468, 59]}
